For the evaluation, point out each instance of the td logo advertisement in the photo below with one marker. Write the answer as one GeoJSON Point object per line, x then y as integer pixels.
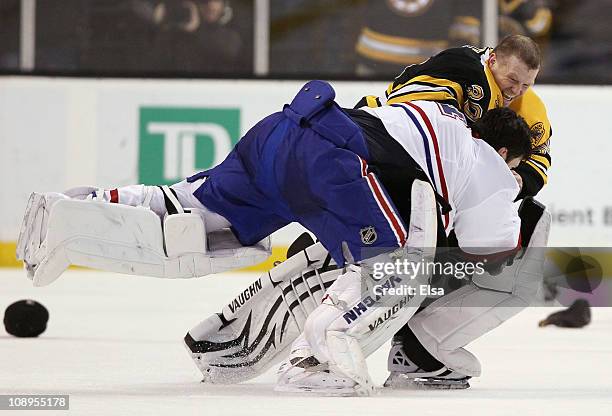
{"type": "Point", "coordinates": [175, 142]}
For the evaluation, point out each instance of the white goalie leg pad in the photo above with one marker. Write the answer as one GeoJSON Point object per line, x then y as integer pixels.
{"type": "Point", "coordinates": [348, 358]}
{"type": "Point", "coordinates": [393, 312]}
{"type": "Point", "coordinates": [256, 329]}
{"type": "Point", "coordinates": [357, 315]}
{"type": "Point", "coordinates": [301, 372]}
{"type": "Point", "coordinates": [130, 240]}
{"type": "Point", "coordinates": [31, 245]}
{"type": "Point", "coordinates": [326, 342]}
{"type": "Point", "coordinates": [462, 316]}
{"type": "Point", "coordinates": [359, 323]}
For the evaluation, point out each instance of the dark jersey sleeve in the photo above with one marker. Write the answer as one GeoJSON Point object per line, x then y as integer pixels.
{"type": "Point", "coordinates": [455, 76]}
{"type": "Point", "coordinates": [534, 170]}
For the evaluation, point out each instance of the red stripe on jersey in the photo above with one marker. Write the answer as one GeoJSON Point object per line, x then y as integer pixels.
{"type": "Point", "coordinates": [434, 139]}
{"type": "Point", "coordinates": [114, 196]}
{"type": "Point", "coordinates": [392, 218]}
{"type": "Point", "coordinates": [363, 167]}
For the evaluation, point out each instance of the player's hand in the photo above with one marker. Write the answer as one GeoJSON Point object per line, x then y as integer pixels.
{"type": "Point", "coordinates": [518, 178]}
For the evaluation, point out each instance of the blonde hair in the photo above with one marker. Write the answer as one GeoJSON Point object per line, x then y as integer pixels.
{"type": "Point", "coordinates": [523, 47]}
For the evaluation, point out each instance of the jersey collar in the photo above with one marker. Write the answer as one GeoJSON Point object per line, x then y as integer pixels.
{"type": "Point", "coordinates": [496, 99]}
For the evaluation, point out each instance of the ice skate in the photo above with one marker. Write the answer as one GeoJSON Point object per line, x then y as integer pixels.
{"type": "Point", "coordinates": [411, 381]}
{"type": "Point", "coordinates": [303, 373]}
{"type": "Point", "coordinates": [407, 375]}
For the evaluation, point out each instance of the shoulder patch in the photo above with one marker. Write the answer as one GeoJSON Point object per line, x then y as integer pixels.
{"type": "Point", "coordinates": [538, 131]}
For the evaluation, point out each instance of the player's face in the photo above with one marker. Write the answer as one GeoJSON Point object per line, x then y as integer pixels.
{"type": "Point", "coordinates": [512, 76]}
{"type": "Point", "coordinates": [512, 163]}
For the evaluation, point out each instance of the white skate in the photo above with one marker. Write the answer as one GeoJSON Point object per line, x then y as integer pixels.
{"type": "Point", "coordinates": [303, 373]}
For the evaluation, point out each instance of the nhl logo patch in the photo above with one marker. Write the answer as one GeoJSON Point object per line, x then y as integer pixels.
{"type": "Point", "coordinates": [368, 235]}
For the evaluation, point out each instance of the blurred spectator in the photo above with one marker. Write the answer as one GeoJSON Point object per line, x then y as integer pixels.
{"type": "Point", "coordinates": [308, 38]}
{"type": "Point", "coordinates": [110, 36]}
{"type": "Point", "coordinates": [9, 34]}
{"type": "Point", "coordinates": [194, 37]}
{"type": "Point", "coordinates": [398, 33]}
{"type": "Point", "coordinates": [531, 18]}
{"type": "Point", "coordinates": [313, 38]}
{"type": "Point", "coordinates": [172, 37]}
{"type": "Point", "coordinates": [580, 47]}
{"type": "Point", "coordinates": [89, 35]}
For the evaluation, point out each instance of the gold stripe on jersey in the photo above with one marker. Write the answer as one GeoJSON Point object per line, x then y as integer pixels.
{"type": "Point", "coordinates": [468, 20]}
{"type": "Point", "coordinates": [539, 170]}
{"type": "Point", "coordinates": [397, 40]}
{"type": "Point", "coordinates": [541, 159]}
{"type": "Point", "coordinates": [372, 101]}
{"type": "Point", "coordinates": [539, 165]}
{"type": "Point", "coordinates": [390, 89]}
{"type": "Point", "coordinates": [540, 23]}
{"type": "Point", "coordinates": [389, 57]}
{"type": "Point", "coordinates": [443, 96]}
{"type": "Point", "coordinates": [377, 46]}
{"type": "Point", "coordinates": [439, 82]}
{"type": "Point", "coordinates": [508, 6]}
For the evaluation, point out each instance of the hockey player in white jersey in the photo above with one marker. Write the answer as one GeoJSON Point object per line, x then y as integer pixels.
{"type": "Point", "coordinates": [379, 176]}
{"type": "Point", "coordinates": [474, 177]}
{"type": "Point", "coordinates": [471, 176]}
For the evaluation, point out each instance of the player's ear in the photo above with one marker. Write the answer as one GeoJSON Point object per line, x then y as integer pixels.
{"type": "Point", "coordinates": [492, 58]}
{"type": "Point", "coordinates": [503, 152]}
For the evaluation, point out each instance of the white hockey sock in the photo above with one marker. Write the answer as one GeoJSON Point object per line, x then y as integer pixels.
{"type": "Point", "coordinates": [138, 195]}
{"type": "Point", "coordinates": [153, 197]}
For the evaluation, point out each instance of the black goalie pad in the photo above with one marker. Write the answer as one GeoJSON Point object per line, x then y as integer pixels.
{"type": "Point", "coordinates": [530, 212]}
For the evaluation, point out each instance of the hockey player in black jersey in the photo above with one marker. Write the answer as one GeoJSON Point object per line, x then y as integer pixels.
{"type": "Point", "coordinates": [476, 80]}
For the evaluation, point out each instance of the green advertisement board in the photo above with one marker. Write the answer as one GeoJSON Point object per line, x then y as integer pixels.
{"type": "Point", "coordinates": [175, 142]}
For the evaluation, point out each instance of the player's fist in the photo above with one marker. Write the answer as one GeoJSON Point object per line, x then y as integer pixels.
{"type": "Point", "coordinates": [518, 178]}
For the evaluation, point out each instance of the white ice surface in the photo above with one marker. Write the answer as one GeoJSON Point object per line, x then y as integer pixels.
{"type": "Point", "coordinates": [113, 344]}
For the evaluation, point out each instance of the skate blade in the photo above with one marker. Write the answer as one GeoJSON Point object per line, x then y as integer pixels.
{"type": "Point", "coordinates": [428, 384]}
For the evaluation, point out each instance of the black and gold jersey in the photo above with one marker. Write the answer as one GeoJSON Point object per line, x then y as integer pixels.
{"type": "Point", "coordinates": [456, 76]}
{"type": "Point", "coordinates": [526, 17]}
{"type": "Point", "coordinates": [461, 77]}
{"type": "Point", "coordinates": [409, 31]}
{"type": "Point", "coordinates": [534, 170]}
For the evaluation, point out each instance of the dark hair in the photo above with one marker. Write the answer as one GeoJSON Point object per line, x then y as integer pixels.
{"type": "Point", "coordinates": [502, 127]}
{"type": "Point", "coordinates": [523, 47]}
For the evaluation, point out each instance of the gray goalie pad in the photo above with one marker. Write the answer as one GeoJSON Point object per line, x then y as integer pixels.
{"type": "Point", "coordinates": [255, 330]}
{"type": "Point", "coordinates": [462, 316]}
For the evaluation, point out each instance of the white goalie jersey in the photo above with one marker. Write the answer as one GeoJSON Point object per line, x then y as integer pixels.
{"type": "Point", "coordinates": [467, 172]}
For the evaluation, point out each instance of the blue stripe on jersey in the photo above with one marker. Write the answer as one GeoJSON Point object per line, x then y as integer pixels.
{"type": "Point", "coordinates": [425, 143]}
